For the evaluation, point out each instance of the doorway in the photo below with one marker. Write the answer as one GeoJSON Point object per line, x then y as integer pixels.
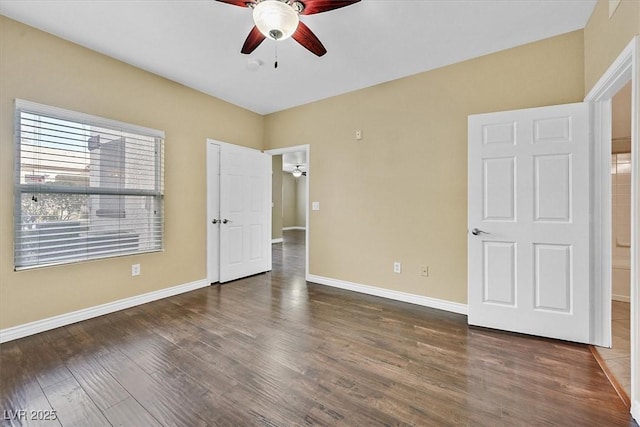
{"type": "Point", "coordinates": [294, 191]}
{"type": "Point", "coordinates": [625, 69]}
{"type": "Point", "coordinates": [616, 361]}
{"type": "Point", "coordinates": [291, 229]}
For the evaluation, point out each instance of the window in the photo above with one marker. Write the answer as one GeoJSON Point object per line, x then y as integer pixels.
{"type": "Point", "coordinates": [85, 187]}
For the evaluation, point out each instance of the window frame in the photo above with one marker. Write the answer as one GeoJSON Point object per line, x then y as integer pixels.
{"type": "Point", "coordinates": [19, 188]}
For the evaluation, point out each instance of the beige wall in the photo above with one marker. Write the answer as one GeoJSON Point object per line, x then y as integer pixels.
{"type": "Point", "coordinates": [289, 201]}
{"type": "Point", "coordinates": [604, 37]}
{"type": "Point", "coordinates": [39, 67]}
{"type": "Point", "coordinates": [397, 195]}
{"type": "Point", "coordinates": [301, 201]}
{"type": "Point", "coordinates": [400, 194]}
{"type": "Point", "coordinates": [276, 197]}
{"type": "Point", "coordinates": [294, 200]}
{"type": "Point", "coordinates": [621, 225]}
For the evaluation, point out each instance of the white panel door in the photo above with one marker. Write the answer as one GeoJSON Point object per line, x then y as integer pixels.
{"type": "Point", "coordinates": [529, 232]}
{"type": "Point", "coordinates": [245, 212]}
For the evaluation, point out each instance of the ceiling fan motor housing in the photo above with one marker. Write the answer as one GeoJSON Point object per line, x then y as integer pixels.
{"type": "Point", "coordinates": [275, 19]}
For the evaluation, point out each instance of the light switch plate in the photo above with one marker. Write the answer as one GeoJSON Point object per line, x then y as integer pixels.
{"type": "Point", "coordinates": [315, 206]}
{"type": "Point", "coordinates": [397, 267]}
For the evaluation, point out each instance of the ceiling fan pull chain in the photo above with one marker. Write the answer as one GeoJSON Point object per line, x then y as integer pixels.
{"type": "Point", "coordinates": [275, 64]}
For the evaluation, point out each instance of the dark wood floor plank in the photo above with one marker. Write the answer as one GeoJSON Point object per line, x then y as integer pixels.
{"type": "Point", "coordinates": [218, 364]}
{"type": "Point", "coordinates": [43, 361]}
{"type": "Point", "coordinates": [129, 413]}
{"type": "Point", "coordinates": [167, 397]}
{"type": "Point", "coordinates": [274, 350]}
{"type": "Point", "coordinates": [73, 406]}
{"type": "Point", "coordinates": [78, 346]}
{"type": "Point", "coordinates": [97, 382]}
{"type": "Point", "coordinates": [21, 397]}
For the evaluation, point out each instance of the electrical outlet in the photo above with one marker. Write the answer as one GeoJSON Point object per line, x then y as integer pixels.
{"type": "Point", "coordinates": [424, 271]}
{"type": "Point", "coordinates": [397, 267]}
{"type": "Point", "coordinates": [135, 270]}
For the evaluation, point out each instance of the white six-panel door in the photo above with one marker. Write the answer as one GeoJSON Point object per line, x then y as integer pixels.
{"type": "Point", "coordinates": [529, 231]}
{"type": "Point", "coordinates": [245, 212]}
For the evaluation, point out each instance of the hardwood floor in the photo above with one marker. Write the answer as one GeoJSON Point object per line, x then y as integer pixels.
{"type": "Point", "coordinates": [274, 350]}
{"type": "Point", "coordinates": [617, 359]}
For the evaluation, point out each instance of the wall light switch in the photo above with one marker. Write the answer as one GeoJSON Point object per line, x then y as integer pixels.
{"type": "Point", "coordinates": [315, 206]}
{"type": "Point", "coordinates": [358, 134]}
{"type": "Point", "coordinates": [135, 270]}
{"type": "Point", "coordinates": [424, 271]}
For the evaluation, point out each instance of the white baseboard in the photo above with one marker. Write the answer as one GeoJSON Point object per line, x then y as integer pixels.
{"type": "Point", "coordinates": [621, 298]}
{"type": "Point", "coordinates": [454, 307]}
{"type": "Point", "coordinates": [20, 331]}
{"type": "Point", "coordinates": [278, 240]}
{"type": "Point", "coordinates": [635, 410]}
{"type": "Point", "coordinates": [293, 228]}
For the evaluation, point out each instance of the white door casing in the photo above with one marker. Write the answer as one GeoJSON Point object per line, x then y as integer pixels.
{"type": "Point", "coordinates": [529, 188]}
{"type": "Point", "coordinates": [625, 68]}
{"type": "Point", "coordinates": [245, 212]}
{"type": "Point", "coordinates": [213, 212]}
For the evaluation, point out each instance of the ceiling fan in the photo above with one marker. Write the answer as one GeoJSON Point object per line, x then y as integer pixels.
{"type": "Point", "coordinates": [279, 20]}
{"type": "Point", "coordinates": [297, 172]}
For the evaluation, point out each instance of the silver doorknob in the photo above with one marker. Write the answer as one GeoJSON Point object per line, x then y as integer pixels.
{"type": "Point", "coordinates": [477, 232]}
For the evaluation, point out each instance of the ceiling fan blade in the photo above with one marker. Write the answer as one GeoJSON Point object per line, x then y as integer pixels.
{"type": "Point", "coordinates": [253, 40]}
{"type": "Point", "coordinates": [306, 38]}
{"type": "Point", "coordinates": [241, 3]}
{"type": "Point", "coordinates": [318, 6]}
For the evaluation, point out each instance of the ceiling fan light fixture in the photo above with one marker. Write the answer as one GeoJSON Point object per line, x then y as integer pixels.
{"type": "Point", "coordinates": [275, 19]}
{"type": "Point", "coordinates": [297, 173]}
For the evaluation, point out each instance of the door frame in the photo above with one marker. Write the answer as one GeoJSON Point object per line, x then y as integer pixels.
{"type": "Point", "coordinates": [624, 69]}
{"type": "Point", "coordinates": [307, 149]}
{"type": "Point", "coordinates": [213, 271]}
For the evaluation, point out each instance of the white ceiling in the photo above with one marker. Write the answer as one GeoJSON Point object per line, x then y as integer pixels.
{"type": "Point", "coordinates": [197, 42]}
{"type": "Point", "coordinates": [291, 160]}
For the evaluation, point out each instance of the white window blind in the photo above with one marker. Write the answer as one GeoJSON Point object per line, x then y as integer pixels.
{"type": "Point", "coordinates": [85, 187]}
